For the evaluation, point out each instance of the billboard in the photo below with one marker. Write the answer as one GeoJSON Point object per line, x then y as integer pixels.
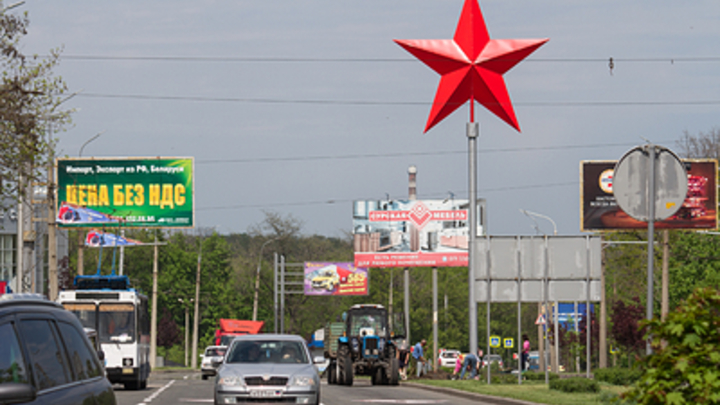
{"type": "Point", "coordinates": [325, 278]}
{"type": "Point", "coordinates": [599, 211]}
{"type": "Point", "coordinates": [411, 233]}
{"type": "Point", "coordinates": [128, 192]}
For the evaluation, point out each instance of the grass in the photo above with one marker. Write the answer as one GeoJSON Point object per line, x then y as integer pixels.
{"type": "Point", "coordinates": [531, 391]}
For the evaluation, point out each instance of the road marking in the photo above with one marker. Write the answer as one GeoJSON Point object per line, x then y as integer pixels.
{"type": "Point", "coordinates": [156, 393]}
{"type": "Point", "coordinates": [403, 401]}
{"type": "Point", "coordinates": [195, 400]}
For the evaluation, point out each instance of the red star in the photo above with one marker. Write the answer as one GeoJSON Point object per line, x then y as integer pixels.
{"type": "Point", "coordinates": [471, 65]}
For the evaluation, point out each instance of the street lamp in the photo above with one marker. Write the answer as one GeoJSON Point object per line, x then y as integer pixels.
{"type": "Point", "coordinates": [90, 140]}
{"type": "Point", "coordinates": [257, 278]}
{"type": "Point", "coordinates": [535, 214]}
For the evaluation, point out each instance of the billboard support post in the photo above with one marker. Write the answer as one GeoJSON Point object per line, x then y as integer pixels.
{"type": "Point", "coordinates": [651, 240]}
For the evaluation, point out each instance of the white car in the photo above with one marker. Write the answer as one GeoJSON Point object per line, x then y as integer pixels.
{"type": "Point", "coordinates": [448, 358]}
{"type": "Point", "coordinates": [212, 354]}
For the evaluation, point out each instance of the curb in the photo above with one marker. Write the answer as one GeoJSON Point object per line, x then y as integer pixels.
{"type": "Point", "coordinates": [470, 395]}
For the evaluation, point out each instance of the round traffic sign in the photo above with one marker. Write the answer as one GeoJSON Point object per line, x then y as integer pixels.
{"type": "Point", "coordinates": [634, 174]}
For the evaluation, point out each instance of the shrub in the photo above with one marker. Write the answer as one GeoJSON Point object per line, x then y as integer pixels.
{"type": "Point", "coordinates": [618, 376]}
{"type": "Point", "coordinates": [503, 378]}
{"type": "Point", "coordinates": [535, 376]}
{"type": "Point", "coordinates": [576, 384]}
{"type": "Point", "coordinates": [611, 398]}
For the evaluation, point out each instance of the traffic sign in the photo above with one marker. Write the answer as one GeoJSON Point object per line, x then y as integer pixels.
{"type": "Point", "coordinates": [508, 343]}
{"type": "Point", "coordinates": [540, 320]}
{"type": "Point", "coordinates": [494, 341]}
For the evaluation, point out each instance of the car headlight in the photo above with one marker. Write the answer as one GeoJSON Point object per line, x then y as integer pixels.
{"type": "Point", "coordinates": [231, 381]}
{"type": "Point", "coordinates": [302, 381]}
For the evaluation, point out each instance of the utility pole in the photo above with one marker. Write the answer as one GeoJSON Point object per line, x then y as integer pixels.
{"type": "Point", "coordinates": [52, 229]}
{"type": "Point", "coordinates": [153, 316]}
{"type": "Point", "coordinates": [412, 194]}
{"type": "Point", "coordinates": [193, 361]}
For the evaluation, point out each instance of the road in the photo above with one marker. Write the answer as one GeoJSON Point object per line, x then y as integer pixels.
{"type": "Point", "coordinates": [168, 388]}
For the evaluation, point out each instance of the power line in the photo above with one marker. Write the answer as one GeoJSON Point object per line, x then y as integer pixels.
{"type": "Point", "coordinates": [405, 154]}
{"type": "Point", "coordinates": [349, 200]}
{"type": "Point", "coordinates": [253, 100]}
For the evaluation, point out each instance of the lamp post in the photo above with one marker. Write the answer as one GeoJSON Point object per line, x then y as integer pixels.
{"type": "Point", "coordinates": [90, 140]}
{"type": "Point", "coordinates": [535, 214]}
{"type": "Point", "coordinates": [81, 255]}
{"type": "Point", "coordinates": [257, 278]}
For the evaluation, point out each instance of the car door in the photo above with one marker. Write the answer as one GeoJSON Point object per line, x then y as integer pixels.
{"type": "Point", "coordinates": [49, 365]}
{"type": "Point", "coordinates": [85, 365]}
{"type": "Point", "coordinates": [13, 365]}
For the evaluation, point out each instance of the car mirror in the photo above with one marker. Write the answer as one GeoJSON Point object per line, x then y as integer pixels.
{"type": "Point", "coordinates": [101, 355]}
{"type": "Point", "coordinates": [319, 360]}
{"type": "Point", "coordinates": [14, 393]}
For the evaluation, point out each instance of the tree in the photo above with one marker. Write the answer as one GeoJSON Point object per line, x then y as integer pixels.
{"type": "Point", "coordinates": [168, 331]}
{"type": "Point", "coordinates": [30, 97]}
{"type": "Point", "coordinates": [626, 329]}
{"type": "Point", "coordinates": [684, 370]}
{"type": "Point", "coordinates": [704, 145]}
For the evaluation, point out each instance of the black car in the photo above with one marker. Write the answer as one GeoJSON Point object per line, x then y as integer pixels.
{"type": "Point", "coordinates": [46, 357]}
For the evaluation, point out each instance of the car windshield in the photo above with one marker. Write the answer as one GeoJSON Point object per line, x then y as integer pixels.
{"type": "Point", "coordinates": [215, 351]}
{"type": "Point", "coordinates": [268, 352]}
{"type": "Point", "coordinates": [450, 355]}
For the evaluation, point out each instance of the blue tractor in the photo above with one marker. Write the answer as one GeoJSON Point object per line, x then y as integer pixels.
{"type": "Point", "coordinates": [366, 346]}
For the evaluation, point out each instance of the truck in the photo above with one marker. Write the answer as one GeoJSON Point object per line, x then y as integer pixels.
{"type": "Point", "coordinates": [364, 344]}
{"type": "Point", "coordinates": [229, 328]}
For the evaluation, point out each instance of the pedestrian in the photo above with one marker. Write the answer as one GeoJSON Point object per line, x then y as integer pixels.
{"type": "Point", "coordinates": [525, 352]}
{"type": "Point", "coordinates": [458, 365]}
{"type": "Point", "coordinates": [471, 361]}
{"type": "Point", "coordinates": [418, 355]}
{"type": "Point", "coordinates": [403, 360]}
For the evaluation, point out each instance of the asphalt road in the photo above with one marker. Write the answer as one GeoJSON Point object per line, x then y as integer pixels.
{"type": "Point", "coordinates": [166, 388]}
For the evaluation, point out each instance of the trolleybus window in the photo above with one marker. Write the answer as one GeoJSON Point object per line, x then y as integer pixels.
{"type": "Point", "coordinates": [84, 312]}
{"type": "Point", "coordinates": [116, 323]}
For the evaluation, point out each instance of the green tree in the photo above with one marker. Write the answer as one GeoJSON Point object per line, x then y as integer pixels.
{"type": "Point", "coordinates": [684, 366]}
{"type": "Point", "coordinates": [29, 104]}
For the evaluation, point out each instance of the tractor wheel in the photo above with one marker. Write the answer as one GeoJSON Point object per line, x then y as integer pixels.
{"type": "Point", "coordinates": [332, 374]}
{"type": "Point", "coordinates": [346, 370]}
{"type": "Point", "coordinates": [394, 377]}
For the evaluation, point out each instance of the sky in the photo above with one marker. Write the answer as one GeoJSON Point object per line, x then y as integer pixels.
{"type": "Point", "coordinates": [300, 107]}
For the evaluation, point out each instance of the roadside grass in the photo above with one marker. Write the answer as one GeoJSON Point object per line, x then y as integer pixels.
{"type": "Point", "coordinates": [531, 391]}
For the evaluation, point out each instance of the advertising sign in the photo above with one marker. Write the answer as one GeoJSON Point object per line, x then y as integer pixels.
{"type": "Point", "coordinates": [127, 192]}
{"type": "Point", "coordinates": [417, 233]}
{"type": "Point", "coordinates": [324, 278]}
{"type": "Point", "coordinates": [599, 210]}
{"type": "Point", "coordinates": [96, 238]}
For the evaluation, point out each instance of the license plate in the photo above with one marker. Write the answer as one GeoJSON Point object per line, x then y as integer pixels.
{"type": "Point", "coordinates": [265, 393]}
{"type": "Point", "coordinates": [127, 371]}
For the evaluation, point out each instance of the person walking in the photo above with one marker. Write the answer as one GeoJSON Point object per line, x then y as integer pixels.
{"type": "Point", "coordinates": [471, 361]}
{"type": "Point", "coordinates": [403, 360]}
{"type": "Point", "coordinates": [525, 352]}
{"type": "Point", "coordinates": [419, 356]}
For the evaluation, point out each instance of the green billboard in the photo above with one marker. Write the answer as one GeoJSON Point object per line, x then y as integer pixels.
{"type": "Point", "coordinates": [125, 192]}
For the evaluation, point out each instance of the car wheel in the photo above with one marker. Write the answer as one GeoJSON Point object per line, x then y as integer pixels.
{"type": "Point", "coordinates": [204, 377]}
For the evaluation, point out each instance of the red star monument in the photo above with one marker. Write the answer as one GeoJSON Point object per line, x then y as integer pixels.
{"type": "Point", "coordinates": [471, 65]}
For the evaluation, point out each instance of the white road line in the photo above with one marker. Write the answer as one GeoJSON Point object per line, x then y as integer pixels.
{"type": "Point", "coordinates": [156, 393]}
{"type": "Point", "coordinates": [402, 401]}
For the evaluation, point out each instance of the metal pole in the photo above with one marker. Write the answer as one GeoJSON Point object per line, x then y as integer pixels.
{"type": "Point", "coordinates": [473, 131]}
{"type": "Point", "coordinates": [19, 273]}
{"type": "Point", "coordinates": [282, 294]}
{"type": "Point", "coordinates": [187, 332]}
{"type": "Point", "coordinates": [122, 254]}
{"type": "Point", "coordinates": [556, 336]}
{"type": "Point", "coordinates": [153, 315]}
{"type": "Point", "coordinates": [577, 330]}
{"type": "Point", "coordinates": [546, 265]}
{"type": "Point", "coordinates": [603, 313]}
{"type": "Point", "coordinates": [588, 319]}
{"type": "Point", "coordinates": [275, 292]}
{"type": "Point", "coordinates": [665, 296]}
{"type": "Point", "coordinates": [487, 303]}
{"type": "Point", "coordinates": [412, 196]}
{"type": "Point", "coordinates": [196, 315]}
{"type": "Point", "coordinates": [435, 318]}
{"type": "Point", "coordinates": [519, 312]}
{"type": "Point", "coordinates": [651, 241]}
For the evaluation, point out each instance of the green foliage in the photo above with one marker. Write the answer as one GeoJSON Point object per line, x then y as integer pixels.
{"type": "Point", "coordinates": [617, 375]}
{"type": "Point", "coordinates": [535, 376]}
{"type": "Point", "coordinates": [611, 398]}
{"type": "Point", "coordinates": [502, 378]}
{"type": "Point", "coordinates": [684, 366]}
{"type": "Point", "coordinates": [575, 384]}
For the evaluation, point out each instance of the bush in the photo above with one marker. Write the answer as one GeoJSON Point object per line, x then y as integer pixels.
{"type": "Point", "coordinates": [576, 384]}
{"type": "Point", "coordinates": [535, 376]}
{"type": "Point", "coordinates": [618, 376]}
{"type": "Point", "coordinates": [611, 398]}
{"type": "Point", "coordinates": [503, 378]}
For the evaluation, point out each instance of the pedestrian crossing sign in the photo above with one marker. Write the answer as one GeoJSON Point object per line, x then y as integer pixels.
{"type": "Point", "coordinates": [508, 343]}
{"type": "Point", "coordinates": [494, 341]}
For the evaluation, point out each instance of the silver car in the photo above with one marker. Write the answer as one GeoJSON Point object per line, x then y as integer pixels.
{"type": "Point", "coordinates": [267, 367]}
{"type": "Point", "coordinates": [212, 357]}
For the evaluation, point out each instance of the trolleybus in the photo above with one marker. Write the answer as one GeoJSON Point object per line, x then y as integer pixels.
{"type": "Point", "coordinates": [119, 314]}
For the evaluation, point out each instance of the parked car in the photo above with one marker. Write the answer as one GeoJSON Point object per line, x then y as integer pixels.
{"type": "Point", "coordinates": [46, 357]}
{"type": "Point", "coordinates": [448, 358]}
{"type": "Point", "coordinates": [492, 358]}
{"type": "Point", "coordinates": [272, 368]}
{"type": "Point", "coordinates": [210, 359]}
